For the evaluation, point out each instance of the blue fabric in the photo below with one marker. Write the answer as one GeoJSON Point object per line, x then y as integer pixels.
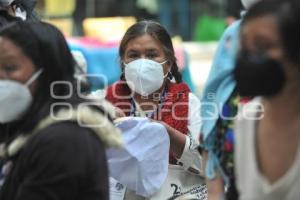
{"type": "Point", "coordinates": [213, 163]}
{"type": "Point", "coordinates": [103, 62]}
{"type": "Point", "coordinates": [218, 88]}
{"type": "Point", "coordinates": [220, 83]}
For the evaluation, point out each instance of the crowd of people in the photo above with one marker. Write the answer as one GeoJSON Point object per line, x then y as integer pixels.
{"type": "Point", "coordinates": [57, 137]}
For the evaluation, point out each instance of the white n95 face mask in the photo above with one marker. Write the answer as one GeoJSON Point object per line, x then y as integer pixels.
{"type": "Point", "coordinates": [144, 76]}
{"type": "Point", "coordinates": [15, 98]}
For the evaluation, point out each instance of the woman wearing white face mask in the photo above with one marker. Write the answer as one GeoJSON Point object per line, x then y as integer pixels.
{"type": "Point", "coordinates": [151, 86]}
{"type": "Point", "coordinates": [48, 148]}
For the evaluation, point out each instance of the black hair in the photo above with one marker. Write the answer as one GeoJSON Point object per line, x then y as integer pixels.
{"type": "Point", "coordinates": [290, 29]}
{"type": "Point", "coordinates": [46, 46]}
{"type": "Point", "coordinates": [287, 15]}
{"type": "Point", "coordinates": [6, 18]}
{"type": "Point", "coordinates": [160, 34]}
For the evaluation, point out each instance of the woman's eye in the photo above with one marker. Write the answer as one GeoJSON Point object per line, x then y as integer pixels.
{"type": "Point", "coordinates": [263, 47]}
{"type": "Point", "coordinates": [134, 55]}
{"type": "Point", "coordinates": [9, 68]}
{"type": "Point", "coordinates": [264, 44]}
{"type": "Point", "coordinates": [152, 55]}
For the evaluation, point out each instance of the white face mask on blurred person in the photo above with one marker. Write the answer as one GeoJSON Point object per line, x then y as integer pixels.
{"type": "Point", "coordinates": [15, 98]}
{"type": "Point", "coordinates": [5, 3]}
{"type": "Point", "coordinates": [144, 76]}
{"type": "Point", "coordinates": [248, 3]}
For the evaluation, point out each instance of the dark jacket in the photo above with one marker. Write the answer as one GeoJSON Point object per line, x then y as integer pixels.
{"type": "Point", "coordinates": [61, 161]}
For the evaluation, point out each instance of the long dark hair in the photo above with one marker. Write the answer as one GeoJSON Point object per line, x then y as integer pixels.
{"type": "Point", "coordinates": [45, 45]}
{"type": "Point", "coordinates": [6, 18]}
{"type": "Point", "coordinates": [160, 34]}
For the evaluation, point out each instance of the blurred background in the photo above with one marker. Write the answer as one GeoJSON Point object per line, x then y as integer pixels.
{"type": "Point", "coordinates": [95, 28]}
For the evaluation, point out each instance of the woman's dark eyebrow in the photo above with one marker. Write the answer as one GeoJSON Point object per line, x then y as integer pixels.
{"type": "Point", "coordinates": [10, 58]}
{"type": "Point", "coordinates": [132, 51]}
{"type": "Point", "coordinates": [152, 50]}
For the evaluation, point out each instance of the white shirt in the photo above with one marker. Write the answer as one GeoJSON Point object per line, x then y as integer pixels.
{"type": "Point", "coordinates": [251, 184]}
{"type": "Point", "coordinates": [190, 157]}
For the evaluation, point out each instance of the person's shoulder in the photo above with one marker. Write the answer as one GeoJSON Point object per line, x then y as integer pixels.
{"type": "Point", "coordinates": [60, 142]}
{"type": "Point", "coordinates": [63, 141]}
{"type": "Point", "coordinates": [85, 125]}
{"type": "Point", "coordinates": [63, 133]}
{"type": "Point", "coordinates": [177, 92]}
{"type": "Point", "coordinates": [230, 32]}
{"type": "Point", "coordinates": [121, 85]}
{"type": "Point", "coordinates": [63, 149]}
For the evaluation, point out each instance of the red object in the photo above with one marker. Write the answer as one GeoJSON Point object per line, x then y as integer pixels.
{"type": "Point", "coordinates": [245, 100]}
{"type": "Point", "coordinates": [228, 147]}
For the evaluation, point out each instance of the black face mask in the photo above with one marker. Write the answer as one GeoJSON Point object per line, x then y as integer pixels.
{"type": "Point", "coordinates": [257, 74]}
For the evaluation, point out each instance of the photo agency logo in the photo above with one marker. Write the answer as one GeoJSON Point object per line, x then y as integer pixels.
{"type": "Point", "coordinates": [63, 110]}
{"type": "Point", "coordinates": [236, 109]}
{"type": "Point", "coordinates": [248, 111]}
{"type": "Point", "coordinates": [170, 104]}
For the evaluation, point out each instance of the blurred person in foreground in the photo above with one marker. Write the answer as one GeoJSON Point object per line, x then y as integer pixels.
{"type": "Point", "coordinates": [267, 134]}
{"type": "Point", "coordinates": [52, 146]}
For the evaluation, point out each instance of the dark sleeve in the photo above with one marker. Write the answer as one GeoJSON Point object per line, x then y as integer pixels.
{"type": "Point", "coordinates": [63, 162]}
